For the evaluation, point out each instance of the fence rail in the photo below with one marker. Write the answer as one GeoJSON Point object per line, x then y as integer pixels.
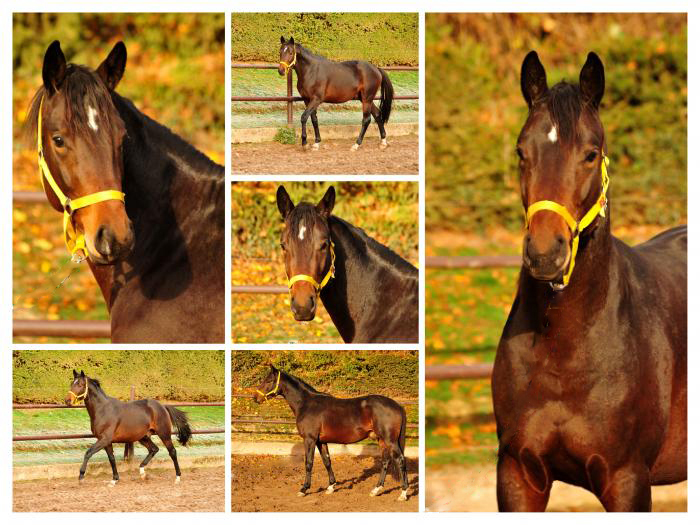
{"type": "Point", "coordinates": [290, 98]}
{"type": "Point", "coordinates": [51, 437]}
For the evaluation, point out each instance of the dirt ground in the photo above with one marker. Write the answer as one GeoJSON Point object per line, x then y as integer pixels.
{"type": "Point", "coordinates": [473, 489]}
{"type": "Point", "coordinates": [271, 484]}
{"type": "Point", "coordinates": [333, 157]}
{"type": "Point", "coordinates": [200, 490]}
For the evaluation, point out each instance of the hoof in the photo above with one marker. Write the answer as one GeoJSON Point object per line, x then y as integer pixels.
{"type": "Point", "coordinates": [330, 489]}
{"type": "Point", "coordinates": [376, 491]}
{"type": "Point", "coordinates": [301, 494]}
{"type": "Point", "coordinates": [403, 496]}
{"type": "Point", "coordinates": [177, 480]}
{"type": "Point", "coordinates": [142, 472]}
{"type": "Point", "coordinates": [305, 147]}
{"type": "Point", "coordinates": [355, 147]}
{"type": "Point", "coordinates": [113, 483]}
{"type": "Point", "coordinates": [383, 144]}
{"type": "Point", "coordinates": [316, 146]}
{"type": "Point", "coordinates": [80, 481]}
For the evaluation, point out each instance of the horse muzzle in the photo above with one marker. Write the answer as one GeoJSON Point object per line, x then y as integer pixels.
{"type": "Point", "coordinates": [304, 310]}
{"type": "Point", "coordinates": [548, 263]}
{"type": "Point", "coordinates": [109, 248]}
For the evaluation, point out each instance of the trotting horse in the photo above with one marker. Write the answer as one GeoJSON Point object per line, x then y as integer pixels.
{"type": "Point", "coordinates": [114, 421]}
{"type": "Point", "coordinates": [322, 80]}
{"type": "Point", "coordinates": [370, 292]}
{"type": "Point", "coordinates": [590, 378]}
{"type": "Point", "coordinates": [143, 206]}
{"type": "Point", "coordinates": [322, 419]}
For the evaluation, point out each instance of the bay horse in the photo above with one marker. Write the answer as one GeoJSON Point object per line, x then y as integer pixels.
{"type": "Point", "coordinates": [115, 421]}
{"type": "Point", "coordinates": [322, 419]}
{"type": "Point", "coordinates": [370, 293]}
{"type": "Point", "coordinates": [144, 207]}
{"type": "Point", "coordinates": [322, 80]}
{"type": "Point", "coordinates": [590, 377]}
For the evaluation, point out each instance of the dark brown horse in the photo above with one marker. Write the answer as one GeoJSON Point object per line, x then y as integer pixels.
{"type": "Point", "coordinates": [370, 292]}
{"type": "Point", "coordinates": [151, 216]}
{"type": "Point", "coordinates": [322, 80]}
{"type": "Point", "coordinates": [114, 421]}
{"type": "Point", "coordinates": [589, 382]}
{"type": "Point", "coordinates": [322, 419]}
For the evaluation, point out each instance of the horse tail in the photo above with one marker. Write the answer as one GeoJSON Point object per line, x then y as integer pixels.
{"type": "Point", "coordinates": [128, 451]}
{"type": "Point", "coordinates": [387, 96]}
{"type": "Point", "coordinates": [402, 432]}
{"type": "Point", "coordinates": [179, 419]}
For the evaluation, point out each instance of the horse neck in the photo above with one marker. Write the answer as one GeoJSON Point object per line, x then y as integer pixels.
{"type": "Point", "coordinates": [94, 400]}
{"type": "Point", "coordinates": [294, 395]}
{"type": "Point", "coordinates": [304, 60]}
{"type": "Point", "coordinates": [567, 312]}
{"type": "Point", "coordinates": [360, 269]}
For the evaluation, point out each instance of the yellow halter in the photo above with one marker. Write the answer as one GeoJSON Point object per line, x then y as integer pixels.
{"type": "Point", "coordinates": [289, 66]}
{"type": "Point", "coordinates": [576, 227]}
{"type": "Point", "coordinates": [76, 397]}
{"type": "Point", "coordinates": [274, 390]}
{"type": "Point", "coordinates": [75, 242]}
{"type": "Point", "coordinates": [309, 279]}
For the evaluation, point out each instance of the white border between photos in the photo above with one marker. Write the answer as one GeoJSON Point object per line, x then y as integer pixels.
{"type": "Point", "coordinates": [330, 5]}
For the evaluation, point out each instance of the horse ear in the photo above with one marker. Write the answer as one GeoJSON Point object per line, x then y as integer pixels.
{"type": "Point", "coordinates": [272, 367]}
{"type": "Point", "coordinates": [533, 79]}
{"type": "Point", "coordinates": [75, 374]}
{"type": "Point", "coordinates": [54, 70]}
{"type": "Point", "coordinates": [82, 374]}
{"type": "Point", "coordinates": [591, 81]}
{"type": "Point", "coordinates": [112, 69]}
{"type": "Point", "coordinates": [284, 202]}
{"type": "Point", "coordinates": [282, 40]}
{"type": "Point", "coordinates": [325, 207]}
{"type": "Point", "coordinates": [291, 40]}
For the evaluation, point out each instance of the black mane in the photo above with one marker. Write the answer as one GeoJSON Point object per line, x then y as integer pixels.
{"type": "Point", "coordinates": [307, 53]}
{"type": "Point", "coordinates": [565, 104]}
{"type": "Point", "coordinates": [95, 385]}
{"type": "Point", "coordinates": [300, 383]}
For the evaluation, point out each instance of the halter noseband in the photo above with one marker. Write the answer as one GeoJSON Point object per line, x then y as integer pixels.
{"type": "Point", "coordinates": [78, 397]}
{"type": "Point", "coordinates": [75, 242]}
{"type": "Point", "coordinates": [576, 227]}
{"type": "Point", "coordinates": [318, 286]}
{"type": "Point", "coordinates": [289, 66]}
{"type": "Point", "coordinates": [274, 390]}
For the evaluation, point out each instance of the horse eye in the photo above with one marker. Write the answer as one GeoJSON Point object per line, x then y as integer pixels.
{"type": "Point", "coordinates": [323, 246]}
{"type": "Point", "coordinates": [283, 246]}
{"type": "Point", "coordinates": [58, 140]}
{"type": "Point", "coordinates": [591, 156]}
{"type": "Point", "coordinates": [520, 153]}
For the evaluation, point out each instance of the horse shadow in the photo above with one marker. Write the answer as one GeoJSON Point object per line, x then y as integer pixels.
{"type": "Point", "coordinates": [373, 472]}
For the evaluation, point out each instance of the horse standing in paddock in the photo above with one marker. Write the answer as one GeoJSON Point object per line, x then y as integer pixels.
{"type": "Point", "coordinates": [322, 419]}
{"type": "Point", "coordinates": [114, 421]}
{"type": "Point", "coordinates": [590, 378]}
{"type": "Point", "coordinates": [322, 80]}
{"type": "Point", "coordinates": [143, 206]}
{"type": "Point", "coordinates": [370, 292]}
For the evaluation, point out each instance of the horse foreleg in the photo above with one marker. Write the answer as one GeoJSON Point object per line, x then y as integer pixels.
{"type": "Point", "coordinates": [366, 119]}
{"type": "Point", "coordinates": [311, 107]}
{"type": "Point", "coordinates": [113, 463]}
{"type": "Point", "coordinates": [517, 494]}
{"type": "Point", "coordinates": [627, 490]}
{"type": "Point", "coordinates": [380, 124]}
{"type": "Point", "coordinates": [326, 458]}
{"type": "Point", "coordinates": [317, 133]}
{"type": "Point", "coordinates": [99, 445]}
{"type": "Point", "coordinates": [309, 448]}
{"type": "Point", "coordinates": [152, 451]}
{"type": "Point", "coordinates": [382, 475]}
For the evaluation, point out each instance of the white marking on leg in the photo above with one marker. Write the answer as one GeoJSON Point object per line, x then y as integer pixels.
{"type": "Point", "coordinates": [92, 113]}
{"type": "Point", "coordinates": [552, 135]}
{"type": "Point", "coordinates": [315, 146]}
{"type": "Point", "coordinates": [355, 147]}
{"type": "Point", "coordinates": [177, 480]}
{"type": "Point", "coordinates": [302, 231]}
{"type": "Point", "coordinates": [330, 489]}
{"type": "Point", "coordinates": [113, 482]}
{"type": "Point", "coordinates": [142, 472]}
{"type": "Point", "coordinates": [404, 495]}
{"type": "Point", "coordinates": [376, 491]}
{"type": "Point", "coordinates": [301, 494]}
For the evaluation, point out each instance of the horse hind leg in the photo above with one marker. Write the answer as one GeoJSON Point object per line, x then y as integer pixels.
{"type": "Point", "coordinates": [380, 124]}
{"type": "Point", "coordinates": [366, 119]}
{"type": "Point", "coordinates": [152, 451]}
{"type": "Point", "coordinates": [113, 464]}
{"type": "Point", "coordinates": [382, 475]}
{"type": "Point", "coordinates": [168, 442]}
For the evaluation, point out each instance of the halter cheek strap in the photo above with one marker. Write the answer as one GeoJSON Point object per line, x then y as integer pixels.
{"type": "Point", "coordinates": [75, 242]}
{"type": "Point", "coordinates": [274, 390]}
{"type": "Point", "coordinates": [289, 66]}
{"type": "Point", "coordinates": [318, 286]}
{"type": "Point", "coordinates": [576, 227]}
{"type": "Point", "coordinates": [78, 397]}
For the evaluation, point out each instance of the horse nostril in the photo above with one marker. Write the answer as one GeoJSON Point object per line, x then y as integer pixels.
{"type": "Point", "coordinates": [103, 240]}
{"type": "Point", "coordinates": [560, 240]}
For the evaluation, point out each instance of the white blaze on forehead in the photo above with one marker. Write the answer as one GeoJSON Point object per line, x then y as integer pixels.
{"type": "Point", "coordinates": [92, 113]}
{"type": "Point", "coordinates": [552, 135]}
{"type": "Point", "coordinates": [302, 231]}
